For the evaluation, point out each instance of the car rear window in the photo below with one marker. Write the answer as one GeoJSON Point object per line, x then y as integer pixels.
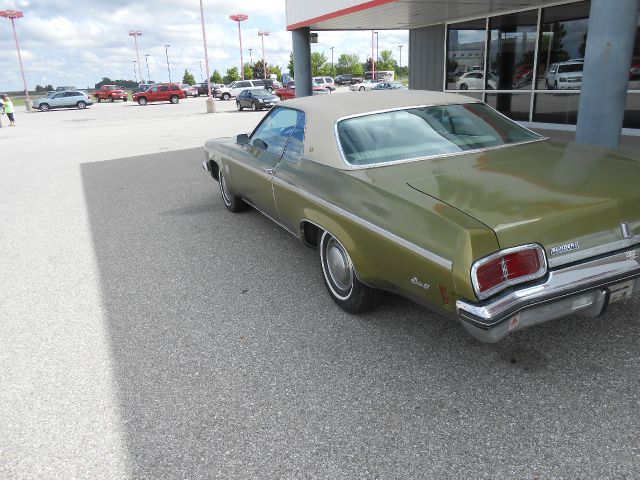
{"type": "Point", "coordinates": [175, 87]}
{"type": "Point", "coordinates": [573, 67]}
{"type": "Point", "coordinates": [426, 131]}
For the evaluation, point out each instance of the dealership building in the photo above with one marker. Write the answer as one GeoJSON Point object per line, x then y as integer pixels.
{"type": "Point", "coordinates": [572, 65]}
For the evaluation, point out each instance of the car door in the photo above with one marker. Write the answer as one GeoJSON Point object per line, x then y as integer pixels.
{"type": "Point", "coordinates": [164, 92]}
{"type": "Point", "coordinates": [252, 164]}
{"type": "Point", "coordinates": [57, 100]}
{"type": "Point", "coordinates": [245, 98]}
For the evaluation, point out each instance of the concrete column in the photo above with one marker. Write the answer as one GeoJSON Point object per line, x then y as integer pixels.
{"type": "Point", "coordinates": [301, 38]}
{"type": "Point", "coordinates": [610, 39]}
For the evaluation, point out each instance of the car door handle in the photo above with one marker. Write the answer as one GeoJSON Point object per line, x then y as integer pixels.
{"type": "Point", "coordinates": [244, 147]}
{"type": "Point", "coordinates": [269, 171]}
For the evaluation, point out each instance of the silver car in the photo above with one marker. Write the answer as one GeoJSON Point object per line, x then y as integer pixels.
{"type": "Point", "coordinates": [66, 99]}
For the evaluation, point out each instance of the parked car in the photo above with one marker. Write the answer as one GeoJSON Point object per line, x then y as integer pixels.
{"type": "Point", "coordinates": [346, 79]}
{"type": "Point", "coordinates": [289, 91]}
{"type": "Point", "coordinates": [271, 84]}
{"type": "Point", "coordinates": [234, 88]}
{"type": "Point", "coordinates": [474, 80]}
{"type": "Point", "coordinates": [364, 85]}
{"type": "Point", "coordinates": [189, 90]}
{"type": "Point", "coordinates": [162, 92]}
{"type": "Point", "coordinates": [389, 86]}
{"type": "Point", "coordinates": [256, 99]}
{"type": "Point", "coordinates": [441, 199]}
{"type": "Point", "coordinates": [63, 99]}
{"type": "Point", "coordinates": [64, 88]}
{"type": "Point", "coordinates": [565, 75]}
{"type": "Point", "coordinates": [326, 82]}
{"type": "Point", "coordinates": [111, 93]}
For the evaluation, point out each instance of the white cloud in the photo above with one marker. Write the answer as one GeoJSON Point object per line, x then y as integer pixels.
{"type": "Point", "coordinates": [78, 42]}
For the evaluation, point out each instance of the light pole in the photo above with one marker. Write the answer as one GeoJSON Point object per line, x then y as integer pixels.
{"type": "Point", "coordinates": [12, 15]}
{"type": "Point", "coordinates": [264, 64]}
{"type": "Point", "coordinates": [251, 57]}
{"type": "Point", "coordinates": [211, 103]}
{"type": "Point", "coordinates": [240, 17]}
{"type": "Point", "coordinates": [377, 52]}
{"type": "Point", "coordinates": [201, 75]}
{"type": "Point", "coordinates": [166, 52]}
{"type": "Point", "coordinates": [135, 35]}
{"type": "Point", "coordinates": [373, 61]}
{"type": "Point", "coordinates": [332, 60]}
{"type": "Point", "coordinates": [146, 59]}
{"type": "Point", "coordinates": [135, 74]}
{"type": "Point", "coordinates": [400, 47]}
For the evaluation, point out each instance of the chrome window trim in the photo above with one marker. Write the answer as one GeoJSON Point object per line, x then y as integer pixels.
{"type": "Point", "coordinates": [542, 271]}
{"type": "Point", "coordinates": [434, 257]}
{"type": "Point", "coordinates": [593, 252]}
{"type": "Point", "coordinates": [350, 166]}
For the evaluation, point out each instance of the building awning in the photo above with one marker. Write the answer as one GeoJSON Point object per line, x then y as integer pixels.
{"type": "Point", "coordinates": [395, 14]}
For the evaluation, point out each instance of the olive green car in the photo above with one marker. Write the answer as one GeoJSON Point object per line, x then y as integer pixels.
{"type": "Point", "coordinates": [445, 201]}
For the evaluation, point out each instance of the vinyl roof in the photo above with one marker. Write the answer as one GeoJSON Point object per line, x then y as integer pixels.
{"type": "Point", "coordinates": [323, 111]}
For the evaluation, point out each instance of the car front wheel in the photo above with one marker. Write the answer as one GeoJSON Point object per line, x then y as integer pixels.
{"type": "Point", "coordinates": [111, 99]}
{"type": "Point", "coordinates": [361, 88]}
{"type": "Point", "coordinates": [142, 101]}
{"type": "Point", "coordinates": [340, 278]}
{"type": "Point", "coordinates": [225, 96]}
{"type": "Point", "coordinates": [233, 203]}
{"type": "Point", "coordinates": [44, 107]}
{"type": "Point", "coordinates": [464, 86]}
{"type": "Point", "coordinates": [174, 99]}
{"type": "Point", "coordinates": [239, 106]}
{"type": "Point", "coordinates": [255, 107]}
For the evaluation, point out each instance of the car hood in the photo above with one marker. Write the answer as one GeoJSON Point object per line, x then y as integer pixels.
{"type": "Point", "coordinates": [267, 97]}
{"type": "Point", "coordinates": [545, 192]}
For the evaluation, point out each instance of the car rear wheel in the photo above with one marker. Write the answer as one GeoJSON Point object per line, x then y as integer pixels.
{"type": "Point", "coordinates": [142, 101]}
{"type": "Point", "coordinates": [98, 99]}
{"type": "Point", "coordinates": [463, 86]}
{"type": "Point", "coordinates": [111, 99]}
{"type": "Point", "coordinates": [340, 278]}
{"type": "Point", "coordinates": [81, 105]}
{"type": "Point", "coordinates": [255, 107]}
{"type": "Point", "coordinates": [125, 99]}
{"type": "Point", "coordinates": [225, 96]}
{"type": "Point", "coordinates": [234, 204]}
{"type": "Point", "coordinates": [361, 88]}
{"type": "Point", "coordinates": [44, 107]}
{"type": "Point", "coordinates": [174, 99]}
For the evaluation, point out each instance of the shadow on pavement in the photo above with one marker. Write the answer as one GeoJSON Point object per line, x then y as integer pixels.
{"type": "Point", "coordinates": [232, 361]}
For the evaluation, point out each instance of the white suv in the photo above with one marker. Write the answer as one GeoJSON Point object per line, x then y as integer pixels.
{"type": "Point", "coordinates": [565, 76]}
{"type": "Point", "coordinates": [234, 88]}
{"type": "Point", "coordinates": [326, 82]}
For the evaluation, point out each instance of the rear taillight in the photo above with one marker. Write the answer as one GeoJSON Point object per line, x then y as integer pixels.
{"type": "Point", "coordinates": [508, 267]}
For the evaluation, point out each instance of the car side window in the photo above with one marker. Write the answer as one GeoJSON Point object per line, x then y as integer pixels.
{"type": "Point", "coordinates": [154, 89]}
{"type": "Point", "coordinates": [295, 145]}
{"type": "Point", "coordinates": [274, 132]}
{"type": "Point", "coordinates": [164, 88]}
{"type": "Point", "coordinates": [59, 95]}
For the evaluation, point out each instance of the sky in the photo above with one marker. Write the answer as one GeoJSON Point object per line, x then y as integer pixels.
{"type": "Point", "coordinates": [77, 42]}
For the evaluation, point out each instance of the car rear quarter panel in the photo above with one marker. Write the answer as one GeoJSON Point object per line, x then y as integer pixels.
{"type": "Point", "coordinates": [392, 236]}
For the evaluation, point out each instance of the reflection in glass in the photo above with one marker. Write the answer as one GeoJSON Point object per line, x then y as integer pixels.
{"type": "Point", "coordinates": [511, 50]}
{"type": "Point", "coordinates": [518, 104]}
{"type": "Point", "coordinates": [465, 53]}
{"type": "Point", "coordinates": [563, 41]}
{"type": "Point", "coordinates": [632, 111]}
{"type": "Point", "coordinates": [634, 70]}
{"type": "Point", "coordinates": [556, 108]}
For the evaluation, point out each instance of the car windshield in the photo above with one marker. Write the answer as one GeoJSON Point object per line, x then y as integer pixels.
{"type": "Point", "coordinates": [260, 92]}
{"type": "Point", "coordinates": [572, 67]}
{"type": "Point", "coordinates": [426, 131]}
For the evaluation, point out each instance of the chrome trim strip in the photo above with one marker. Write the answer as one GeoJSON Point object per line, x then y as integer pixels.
{"type": "Point", "coordinates": [559, 283]}
{"type": "Point", "coordinates": [270, 217]}
{"type": "Point", "coordinates": [593, 252]}
{"type": "Point", "coordinates": [443, 262]}
{"type": "Point", "coordinates": [350, 166]}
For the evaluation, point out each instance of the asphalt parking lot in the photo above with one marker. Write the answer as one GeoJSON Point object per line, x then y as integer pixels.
{"type": "Point", "coordinates": [147, 332]}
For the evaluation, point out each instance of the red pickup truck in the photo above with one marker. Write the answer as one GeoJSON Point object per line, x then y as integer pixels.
{"type": "Point", "coordinates": [161, 92]}
{"type": "Point", "coordinates": [111, 93]}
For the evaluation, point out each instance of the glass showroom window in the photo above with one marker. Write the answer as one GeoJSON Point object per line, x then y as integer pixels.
{"type": "Point", "coordinates": [465, 55]}
{"type": "Point", "coordinates": [563, 40]}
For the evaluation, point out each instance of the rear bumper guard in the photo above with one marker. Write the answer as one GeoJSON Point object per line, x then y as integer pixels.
{"type": "Point", "coordinates": [582, 289]}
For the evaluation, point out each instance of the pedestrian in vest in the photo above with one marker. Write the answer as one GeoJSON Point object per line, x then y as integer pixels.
{"type": "Point", "coordinates": [1, 110]}
{"type": "Point", "coordinates": [8, 109]}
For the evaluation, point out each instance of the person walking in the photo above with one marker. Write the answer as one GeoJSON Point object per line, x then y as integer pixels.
{"type": "Point", "coordinates": [1, 110]}
{"type": "Point", "coordinates": [8, 109]}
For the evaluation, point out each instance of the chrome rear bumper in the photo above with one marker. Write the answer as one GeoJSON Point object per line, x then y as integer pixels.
{"type": "Point", "coordinates": [581, 289]}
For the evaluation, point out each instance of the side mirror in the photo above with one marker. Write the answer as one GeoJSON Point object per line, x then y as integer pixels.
{"type": "Point", "coordinates": [242, 139]}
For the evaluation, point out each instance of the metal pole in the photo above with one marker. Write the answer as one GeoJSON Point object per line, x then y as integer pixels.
{"type": "Point", "coordinates": [332, 60]}
{"type": "Point", "coordinates": [201, 75]}
{"type": "Point", "coordinates": [166, 52]}
{"type": "Point", "coordinates": [146, 59]}
{"type": "Point", "coordinates": [264, 65]}
{"type": "Point", "coordinates": [24, 81]}
{"type": "Point", "coordinates": [400, 47]}
{"type": "Point", "coordinates": [135, 74]}
{"type": "Point", "coordinates": [251, 57]}
{"type": "Point", "coordinates": [211, 103]}
{"type": "Point", "coordinates": [241, 59]}
{"type": "Point", "coordinates": [302, 61]}
{"type": "Point", "coordinates": [135, 40]}
{"type": "Point", "coordinates": [373, 62]}
{"type": "Point", "coordinates": [605, 78]}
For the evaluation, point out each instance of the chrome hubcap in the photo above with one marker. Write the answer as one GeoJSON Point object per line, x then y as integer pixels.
{"type": "Point", "coordinates": [339, 265]}
{"type": "Point", "coordinates": [223, 189]}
